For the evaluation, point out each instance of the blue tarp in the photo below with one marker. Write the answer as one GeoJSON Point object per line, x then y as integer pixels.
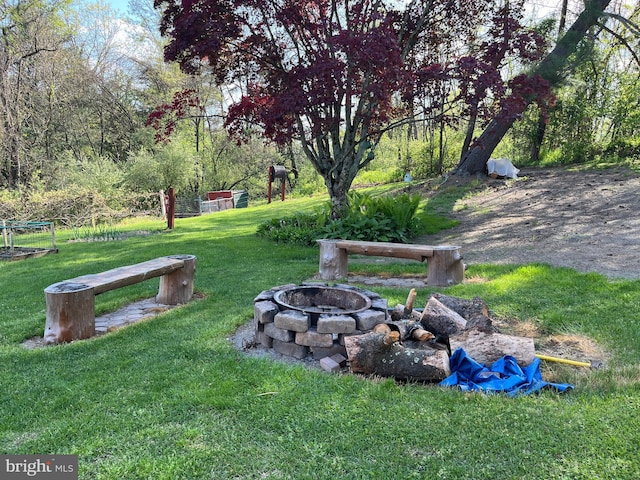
{"type": "Point", "coordinates": [505, 375]}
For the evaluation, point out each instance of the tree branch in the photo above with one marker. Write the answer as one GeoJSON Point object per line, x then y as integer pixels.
{"type": "Point", "coordinates": [633, 27]}
{"type": "Point", "coordinates": [623, 41]}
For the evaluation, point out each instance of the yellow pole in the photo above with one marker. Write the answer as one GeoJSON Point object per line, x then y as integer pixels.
{"type": "Point", "coordinates": [563, 360]}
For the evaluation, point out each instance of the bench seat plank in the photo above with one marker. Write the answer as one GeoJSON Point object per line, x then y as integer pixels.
{"type": "Point", "coordinates": [387, 249]}
{"type": "Point", "coordinates": [129, 275]}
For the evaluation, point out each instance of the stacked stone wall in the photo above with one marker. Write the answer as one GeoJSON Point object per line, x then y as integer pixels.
{"type": "Point", "coordinates": [297, 334]}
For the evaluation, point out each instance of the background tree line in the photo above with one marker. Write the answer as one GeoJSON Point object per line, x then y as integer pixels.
{"type": "Point", "coordinates": [78, 83]}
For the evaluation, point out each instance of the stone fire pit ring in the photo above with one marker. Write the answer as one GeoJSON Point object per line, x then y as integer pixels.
{"type": "Point", "coordinates": [313, 299]}
{"type": "Point", "coordinates": [312, 319]}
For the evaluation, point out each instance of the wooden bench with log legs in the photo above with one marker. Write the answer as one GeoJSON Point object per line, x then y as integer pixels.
{"type": "Point", "coordinates": [71, 303]}
{"type": "Point", "coordinates": [444, 263]}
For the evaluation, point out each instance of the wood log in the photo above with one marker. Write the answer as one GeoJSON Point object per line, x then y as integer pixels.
{"type": "Point", "coordinates": [486, 348]}
{"type": "Point", "coordinates": [70, 312]}
{"type": "Point", "coordinates": [406, 328]}
{"type": "Point", "coordinates": [176, 288]}
{"type": "Point", "coordinates": [466, 308]}
{"type": "Point", "coordinates": [445, 267]}
{"type": "Point", "coordinates": [371, 354]}
{"type": "Point", "coordinates": [397, 313]}
{"type": "Point", "coordinates": [382, 328]}
{"type": "Point", "coordinates": [415, 316]}
{"type": "Point", "coordinates": [475, 312]}
{"type": "Point", "coordinates": [411, 298]}
{"type": "Point", "coordinates": [334, 261]}
{"type": "Point", "coordinates": [422, 335]}
{"type": "Point", "coordinates": [440, 319]}
{"type": "Point", "coordinates": [391, 337]}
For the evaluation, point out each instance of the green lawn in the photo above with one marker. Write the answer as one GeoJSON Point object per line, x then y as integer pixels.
{"type": "Point", "coordinates": [170, 398]}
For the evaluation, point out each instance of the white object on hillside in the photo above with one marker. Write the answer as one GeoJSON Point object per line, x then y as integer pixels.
{"type": "Point", "coordinates": [501, 167]}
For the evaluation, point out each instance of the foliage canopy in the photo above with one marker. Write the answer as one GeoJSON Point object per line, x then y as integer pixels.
{"type": "Point", "coordinates": [335, 75]}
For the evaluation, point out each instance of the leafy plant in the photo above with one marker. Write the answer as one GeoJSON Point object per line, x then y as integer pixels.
{"type": "Point", "coordinates": [372, 228]}
{"type": "Point", "coordinates": [299, 229]}
{"type": "Point", "coordinates": [369, 218]}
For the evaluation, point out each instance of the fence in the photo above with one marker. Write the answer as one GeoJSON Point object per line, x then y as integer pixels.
{"type": "Point", "coordinates": [26, 239]}
{"type": "Point", "coordinates": [215, 202]}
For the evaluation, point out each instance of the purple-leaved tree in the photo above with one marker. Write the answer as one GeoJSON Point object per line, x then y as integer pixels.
{"type": "Point", "coordinates": [336, 74]}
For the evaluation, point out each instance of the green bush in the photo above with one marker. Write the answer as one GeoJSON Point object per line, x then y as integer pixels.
{"type": "Point", "coordinates": [624, 148]}
{"type": "Point", "coordinates": [167, 166]}
{"type": "Point", "coordinates": [10, 204]}
{"type": "Point", "coordinates": [368, 218]}
{"type": "Point", "coordinates": [299, 229]}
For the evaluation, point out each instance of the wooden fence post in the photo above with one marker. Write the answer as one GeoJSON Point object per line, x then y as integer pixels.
{"type": "Point", "coordinates": [171, 210]}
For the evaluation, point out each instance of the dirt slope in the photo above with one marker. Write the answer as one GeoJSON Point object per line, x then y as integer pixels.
{"type": "Point", "coordinates": [589, 221]}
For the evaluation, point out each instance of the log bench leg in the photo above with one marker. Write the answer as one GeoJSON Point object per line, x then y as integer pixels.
{"type": "Point", "coordinates": [445, 267]}
{"type": "Point", "coordinates": [70, 312]}
{"type": "Point", "coordinates": [176, 288]}
{"type": "Point", "coordinates": [333, 260]}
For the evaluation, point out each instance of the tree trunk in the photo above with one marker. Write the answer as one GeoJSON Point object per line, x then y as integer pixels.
{"type": "Point", "coordinates": [542, 121]}
{"type": "Point", "coordinates": [338, 197]}
{"type": "Point", "coordinates": [9, 100]}
{"type": "Point", "coordinates": [373, 353]}
{"type": "Point", "coordinates": [471, 127]}
{"type": "Point", "coordinates": [536, 145]}
{"type": "Point", "coordinates": [551, 69]}
{"type": "Point", "coordinates": [338, 162]}
{"type": "Point", "coordinates": [338, 176]}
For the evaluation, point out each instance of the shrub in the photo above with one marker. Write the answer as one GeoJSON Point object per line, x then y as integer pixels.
{"type": "Point", "coordinates": [299, 229]}
{"type": "Point", "coordinates": [76, 206]}
{"type": "Point", "coordinates": [624, 148]}
{"type": "Point", "coordinates": [368, 218]}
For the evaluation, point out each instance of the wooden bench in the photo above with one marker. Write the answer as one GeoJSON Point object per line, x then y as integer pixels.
{"type": "Point", "coordinates": [71, 303]}
{"type": "Point", "coordinates": [444, 263]}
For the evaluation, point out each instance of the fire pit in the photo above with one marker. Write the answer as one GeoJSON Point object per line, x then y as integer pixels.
{"type": "Point", "coordinates": [322, 300]}
{"type": "Point", "coordinates": [313, 319]}
{"type": "Point", "coordinates": [341, 324]}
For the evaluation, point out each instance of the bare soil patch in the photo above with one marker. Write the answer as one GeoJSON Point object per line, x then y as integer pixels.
{"type": "Point", "coordinates": [585, 220]}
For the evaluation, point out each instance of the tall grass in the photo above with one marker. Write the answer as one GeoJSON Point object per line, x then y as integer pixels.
{"type": "Point", "coordinates": [171, 398]}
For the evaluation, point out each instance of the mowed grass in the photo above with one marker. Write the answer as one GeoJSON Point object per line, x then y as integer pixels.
{"type": "Point", "coordinates": [171, 398]}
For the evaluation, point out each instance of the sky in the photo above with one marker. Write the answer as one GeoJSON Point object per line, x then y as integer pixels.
{"type": "Point", "coordinates": [540, 6]}
{"type": "Point", "coordinates": [118, 5]}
